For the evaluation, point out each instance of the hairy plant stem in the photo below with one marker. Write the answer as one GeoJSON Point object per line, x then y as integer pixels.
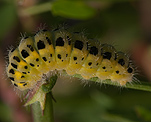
{"type": "Point", "coordinates": [42, 106]}
{"type": "Point", "coordinates": [144, 86]}
{"type": "Point", "coordinates": [47, 114]}
{"type": "Point", "coordinates": [37, 9]}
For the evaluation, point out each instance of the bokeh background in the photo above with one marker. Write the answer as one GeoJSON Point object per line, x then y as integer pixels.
{"type": "Point", "coordinates": [126, 24]}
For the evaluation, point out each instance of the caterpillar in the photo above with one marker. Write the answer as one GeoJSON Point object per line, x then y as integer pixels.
{"type": "Point", "coordinates": [60, 49]}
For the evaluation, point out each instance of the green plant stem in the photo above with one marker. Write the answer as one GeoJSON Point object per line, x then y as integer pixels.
{"type": "Point", "coordinates": [47, 114]}
{"type": "Point", "coordinates": [37, 9]}
{"type": "Point", "coordinates": [138, 86]}
{"type": "Point", "coordinates": [145, 86]}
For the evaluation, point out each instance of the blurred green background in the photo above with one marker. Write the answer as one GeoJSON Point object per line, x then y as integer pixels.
{"type": "Point", "coordinates": [122, 23]}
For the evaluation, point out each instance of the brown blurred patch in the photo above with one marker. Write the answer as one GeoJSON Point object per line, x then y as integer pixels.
{"type": "Point", "coordinates": [142, 57]}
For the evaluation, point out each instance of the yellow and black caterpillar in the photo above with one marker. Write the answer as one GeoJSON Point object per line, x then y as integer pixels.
{"type": "Point", "coordinates": [62, 50]}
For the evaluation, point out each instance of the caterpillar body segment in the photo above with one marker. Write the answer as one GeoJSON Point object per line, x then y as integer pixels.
{"type": "Point", "coordinates": [44, 45]}
{"type": "Point", "coordinates": [122, 71]}
{"type": "Point", "coordinates": [63, 46]}
{"type": "Point", "coordinates": [20, 65]}
{"type": "Point", "coordinates": [78, 54]}
{"type": "Point", "coordinates": [31, 56]}
{"type": "Point", "coordinates": [21, 78]}
{"type": "Point", "coordinates": [92, 62]}
{"type": "Point", "coordinates": [15, 75]}
{"type": "Point", "coordinates": [23, 85]}
{"type": "Point", "coordinates": [108, 63]}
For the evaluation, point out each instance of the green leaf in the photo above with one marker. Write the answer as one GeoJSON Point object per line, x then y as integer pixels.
{"type": "Point", "coordinates": [143, 113]}
{"type": "Point", "coordinates": [72, 9]}
{"type": "Point", "coordinates": [49, 84]}
{"type": "Point", "coordinates": [39, 96]}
